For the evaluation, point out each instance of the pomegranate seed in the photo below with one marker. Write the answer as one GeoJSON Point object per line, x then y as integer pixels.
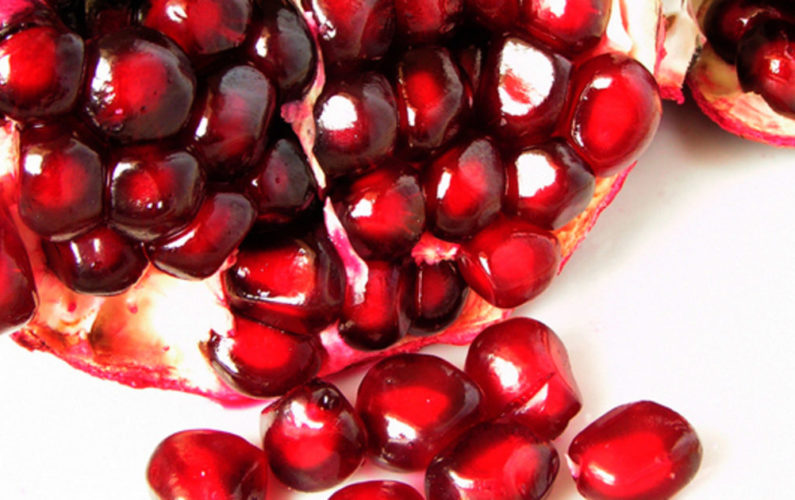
{"type": "Point", "coordinates": [383, 211]}
{"type": "Point", "coordinates": [207, 464]}
{"type": "Point", "coordinates": [313, 437]}
{"type": "Point", "coordinates": [375, 314]}
{"type": "Point", "coordinates": [99, 262]}
{"type": "Point", "coordinates": [18, 296]}
{"type": "Point", "coordinates": [291, 283]}
{"type": "Point", "coordinates": [471, 59]}
{"type": "Point", "coordinates": [498, 15]}
{"type": "Point", "coordinates": [548, 185]}
{"type": "Point", "coordinates": [439, 294]}
{"type": "Point", "coordinates": [426, 21]}
{"type": "Point", "coordinates": [200, 27]}
{"type": "Point", "coordinates": [199, 250]}
{"type": "Point", "coordinates": [509, 262]}
{"type": "Point", "coordinates": [524, 371]}
{"type": "Point", "coordinates": [614, 111]}
{"type": "Point", "coordinates": [14, 13]}
{"type": "Point", "coordinates": [413, 406]}
{"type": "Point", "coordinates": [377, 490]}
{"type": "Point", "coordinates": [638, 450]}
{"type": "Point", "coordinates": [42, 71]}
{"type": "Point", "coordinates": [154, 191]}
{"type": "Point", "coordinates": [103, 17]}
{"type": "Point", "coordinates": [463, 189]}
{"type": "Point", "coordinates": [356, 122]}
{"type": "Point", "coordinates": [493, 461]}
{"type": "Point", "coordinates": [570, 26]}
{"type": "Point", "coordinates": [726, 21]}
{"type": "Point", "coordinates": [262, 362]}
{"type": "Point", "coordinates": [61, 183]}
{"type": "Point", "coordinates": [129, 108]}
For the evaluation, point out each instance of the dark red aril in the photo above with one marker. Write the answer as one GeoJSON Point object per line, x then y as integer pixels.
{"type": "Point", "coordinates": [428, 20]}
{"type": "Point", "coordinates": [377, 490]}
{"type": "Point", "coordinates": [356, 123]}
{"type": "Point", "coordinates": [471, 58]}
{"type": "Point", "coordinates": [295, 283]}
{"type": "Point", "coordinates": [61, 182]}
{"type": "Point", "coordinates": [207, 464]}
{"type": "Point", "coordinates": [199, 250]}
{"type": "Point", "coordinates": [493, 461]}
{"type": "Point", "coordinates": [463, 188]}
{"type": "Point", "coordinates": [153, 191]}
{"type": "Point", "coordinates": [524, 371]}
{"type": "Point", "coordinates": [260, 361]}
{"type": "Point", "coordinates": [18, 296]}
{"type": "Point", "coordinates": [726, 21]}
{"type": "Point", "coordinates": [383, 211]}
{"type": "Point", "coordinates": [313, 437]}
{"type": "Point", "coordinates": [497, 15]}
{"type": "Point", "coordinates": [127, 107]}
{"type": "Point", "coordinates": [41, 71]}
{"type": "Point", "coordinates": [99, 262]}
{"type": "Point", "coordinates": [614, 111]}
{"type": "Point", "coordinates": [102, 17]}
{"type": "Point", "coordinates": [569, 26]}
{"type": "Point", "coordinates": [439, 293]}
{"type": "Point", "coordinates": [413, 406]}
{"type": "Point", "coordinates": [13, 13]}
{"type": "Point", "coordinates": [375, 314]}
{"type": "Point", "coordinates": [510, 261]}
{"type": "Point", "coordinates": [548, 185]}
{"type": "Point", "coordinates": [637, 450]}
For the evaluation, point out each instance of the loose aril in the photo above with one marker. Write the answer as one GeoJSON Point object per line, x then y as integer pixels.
{"type": "Point", "coordinates": [377, 490]}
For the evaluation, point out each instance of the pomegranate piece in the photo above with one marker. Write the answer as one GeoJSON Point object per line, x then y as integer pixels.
{"type": "Point", "coordinates": [614, 112]}
{"type": "Point", "coordinates": [153, 191]}
{"type": "Point", "coordinates": [377, 490]}
{"type": "Point", "coordinates": [637, 450]}
{"type": "Point", "coordinates": [493, 461]}
{"type": "Point", "coordinates": [509, 262]}
{"type": "Point", "coordinates": [200, 27]}
{"type": "Point", "coordinates": [199, 250]}
{"type": "Point", "coordinates": [294, 283]}
{"type": "Point", "coordinates": [262, 362]}
{"type": "Point", "coordinates": [313, 437]}
{"type": "Point", "coordinates": [498, 15]}
{"type": "Point", "coordinates": [428, 20]}
{"type": "Point", "coordinates": [61, 182]}
{"type": "Point", "coordinates": [523, 90]}
{"type": "Point", "coordinates": [524, 372]}
{"type": "Point", "coordinates": [99, 262]}
{"type": "Point", "coordinates": [726, 21]}
{"type": "Point", "coordinates": [548, 185]}
{"type": "Point", "coordinates": [356, 123]}
{"type": "Point", "coordinates": [18, 296]}
{"type": "Point", "coordinates": [375, 314]}
{"type": "Point", "coordinates": [568, 26]}
{"type": "Point", "coordinates": [126, 107]}
{"type": "Point", "coordinates": [205, 463]}
{"type": "Point", "coordinates": [439, 293]}
{"type": "Point", "coordinates": [463, 189]}
{"type": "Point", "coordinates": [42, 71]}
{"type": "Point", "coordinates": [413, 406]}
{"type": "Point", "coordinates": [383, 211]}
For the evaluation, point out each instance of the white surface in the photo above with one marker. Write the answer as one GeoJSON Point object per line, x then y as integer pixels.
{"type": "Point", "coordinates": [684, 293]}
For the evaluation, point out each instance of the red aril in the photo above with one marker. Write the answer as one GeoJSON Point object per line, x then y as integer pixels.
{"type": "Point", "coordinates": [377, 490]}
{"type": "Point", "coordinates": [570, 26]}
{"type": "Point", "coordinates": [726, 21]}
{"type": "Point", "coordinates": [18, 296]}
{"type": "Point", "coordinates": [424, 21]}
{"type": "Point", "coordinates": [497, 15]}
{"type": "Point", "coordinates": [100, 17]}
{"type": "Point", "coordinates": [438, 295]}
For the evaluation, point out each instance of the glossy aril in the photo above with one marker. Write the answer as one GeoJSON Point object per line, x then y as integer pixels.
{"type": "Point", "coordinates": [14, 12]}
{"type": "Point", "coordinates": [548, 185]}
{"type": "Point", "coordinates": [614, 112]}
{"type": "Point", "coordinates": [199, 250]}
{"type": "Point", "coordinates": [127, 107]}
{"type": "Point", "coordinates": [726, 21]}
{"type": "Point", "coordinates": [524, 371]}
{"type": "Point", "coordinates": [570, 26]}
{"type": "Point", "coordinates": [377, 490]}
{"type": "Point", "coordinates": [18, 295]}
{"type": "Point", "coordinates": [439, 293]}
{"type": "Point", "coordinates": [207, 464]}
{"type": "Point", "coordinates": [413, 406]}
{"type": "Point", "coordinates": [509, 262]}
{"type": "Point", "coordinates": [493, 461]}
{"type": "Point", "coordinates": [261, 361]}
{"type": "Point", "coordinates": [313, 437]}
{"type": "Point", "coordinates": [428, 20]}
{"type": "Point", "coordinates": [638, 450]}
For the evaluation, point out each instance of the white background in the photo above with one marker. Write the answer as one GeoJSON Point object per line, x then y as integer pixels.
{"type": "Point", "coordinates": [684, 293]}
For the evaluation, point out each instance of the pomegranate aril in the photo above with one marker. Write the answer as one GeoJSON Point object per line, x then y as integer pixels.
{"type": "Point", "coordinates": [497, 15]}
{"type": "Point", "coordinates": [471, 58]}
{"type": "Point", "coordinates": [413, 406]}
{"type": "Point", "coordinates": [102, 17]}
{"type": "Point", "coordinates": [18, 295]}
{"type": "Point", "coordinates": [439, 293]}
{"type": "Point", "coordinates": [493, 461]}
{"type": "Point", "coordinates": [637, 450]}
{"type": "Point", "coordinates": [153, 191]}
{"type": "Point", "coordinates": [99, 262]}
{"type": "Point", "coordinates": [377, 490]}
{"type": "Point", "coordinates": [261, 361]}
{"type": "Point", "coordinates": [207, 464]}
{"type": "Point", "coordinates": [294, 283]}
{"type": "Point", "coordinates": [523, 369]}
{"type": "Point", "coordinates": [427, 20]}
{"type": "Point", "coordinates": [14, 13]}
{"type": "Point", "coordinates": [548, 185]}
{"type": "Point", "coordinates": [313, 438]}
{"type": "Point", "coordinates": [509, 262]}
{"type": "Point", "coordinates": [614, 110]}
{"type": "Point", "coordinates": [569, 26]}
{"type": "Point", "coordinates": [127, 107]}
{"type": "Point", "coordinates": [199, 250]}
